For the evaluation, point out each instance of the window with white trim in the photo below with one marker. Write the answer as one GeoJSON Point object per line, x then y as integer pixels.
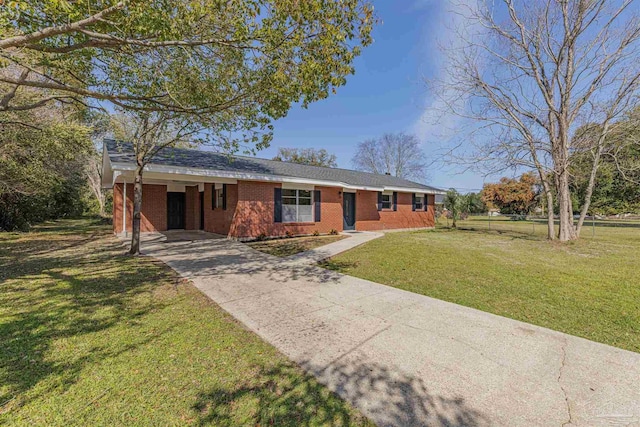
{"type": "Point", "coordinates": [387, 201]}
{"type": "Point", "coordinates": [297, 205]}
{"type": "Point", "coordinates": [419, 202]}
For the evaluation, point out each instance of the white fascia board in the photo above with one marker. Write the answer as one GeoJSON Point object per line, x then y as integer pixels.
{"type": "Point", "coordinates": [160, 178]}
{"type": "Point", "coordinates": [413, 190]}
{"type": "Point", "coordinates": [297, 186]}
{"type": "Point", "coordinates": [260, 177]}
{"type": "Point", "coordinates": [172, 170]}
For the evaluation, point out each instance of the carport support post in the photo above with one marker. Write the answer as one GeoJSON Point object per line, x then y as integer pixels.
{"type": "Point", "coordinates": [124, 207]}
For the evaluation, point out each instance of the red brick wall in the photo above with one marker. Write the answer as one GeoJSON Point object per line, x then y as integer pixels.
{"type": "Point", "coordinates": [254, 212]}
{"type": "Point", "coordinates": [250, 206]}
{"type": "Point", "coordinates": [153, 212]}
{"type": "Point", "coordinates": [368, 218]}
{"type": "Point", "coordinates": [219, 220]}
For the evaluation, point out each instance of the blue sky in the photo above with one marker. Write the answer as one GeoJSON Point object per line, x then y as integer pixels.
{"type": "Point", "coordinates": [386, 94]}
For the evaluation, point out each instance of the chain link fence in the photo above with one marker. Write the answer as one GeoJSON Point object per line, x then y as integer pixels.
{"type": "Point", "coordinates": [593, 226]}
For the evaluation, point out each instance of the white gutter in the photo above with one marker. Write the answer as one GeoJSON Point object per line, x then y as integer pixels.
{"type": "Point", "coordinates": [265, 177]}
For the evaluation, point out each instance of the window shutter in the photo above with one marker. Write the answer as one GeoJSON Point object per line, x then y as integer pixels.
{"type": "Point", "coordinates": [277, 204]}
{"type": "Point", "coordinates": [426, 202]}
{"type": "Point", "coordinates": [213, 196]}
{"type": "Point", "coordinates": [316, 202]}
{"type": "Point", "coordinates": [379, 200]}
{"type": "Point", "coordinates": [395, 200]}
{"type": "Point", "coordinates": [413, 202]}
{"type": "Point", "coordinates": [224, 196]}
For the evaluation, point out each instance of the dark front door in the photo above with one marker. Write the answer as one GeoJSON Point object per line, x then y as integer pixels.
{"type": "Point", "coordinates": [202, 210]}
{"type": "Point", "coordinates": [349, 210]}
{"type": "Point", "coordinates": [175, 210]}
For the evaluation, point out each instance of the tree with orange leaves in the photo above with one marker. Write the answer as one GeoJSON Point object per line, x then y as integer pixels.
{"type": "Point", "coordinates": [512, 196]}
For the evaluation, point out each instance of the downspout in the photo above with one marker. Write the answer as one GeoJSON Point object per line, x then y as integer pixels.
{"type": "Point", "coordinates": [124, 208]}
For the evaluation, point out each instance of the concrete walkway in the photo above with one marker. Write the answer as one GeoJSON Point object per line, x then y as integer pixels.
{"type": "Point", "coordinates": [313, 256]}
{"type": "Point", "coordinates": [404, 359]}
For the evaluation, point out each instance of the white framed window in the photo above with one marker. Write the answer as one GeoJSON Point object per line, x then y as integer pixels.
{"type": "Point", "coordinates": [387, 200]}
{"type": "Point", "coordinates": [297, 205]}
{"type": "Point", "coordinates": [419, 202]}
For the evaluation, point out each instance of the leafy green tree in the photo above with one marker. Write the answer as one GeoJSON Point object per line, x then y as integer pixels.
{"type": "Point", "coordinates": [473, 204]}
{"type": "Point", "coordinates": [41, 167]}
{"type": "Point", "coordinates": [453, 202]}
{"type": "Point", "coordinates": [245, 61]}
{"type": "Point", "coordinates": [307, 156]}
{"type": "Point", "coordinates": [149, 133]}
{"type": "Point", "coordinates": [614, 186]}
{"type": "Point", "coordinates": [202, 67]}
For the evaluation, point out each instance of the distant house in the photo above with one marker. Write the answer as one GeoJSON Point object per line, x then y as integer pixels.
{"type": "Point", "coordinates": [245, 197]}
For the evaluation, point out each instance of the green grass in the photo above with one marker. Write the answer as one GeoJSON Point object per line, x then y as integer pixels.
{"type": "Point", "coordinates": [90, 336]}
{"type": "Point", "coordinates": [589, 288]}
{"type": "Point", "coordinates": [287, 247]}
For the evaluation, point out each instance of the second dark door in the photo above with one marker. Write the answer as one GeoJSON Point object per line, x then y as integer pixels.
{"type": "Point", "coordinates": [349, 210]}
{"type": "Point", "coordinates": [202, 210]}
{"type": "Point", "coordinates": [175, 210]}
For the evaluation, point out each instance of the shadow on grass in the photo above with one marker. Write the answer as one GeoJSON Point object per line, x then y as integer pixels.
{"type": "Point", "coordinates": [335, 265]}
{"type": "Point", "coordinates": [286, 247]}
{"type": "Point", "coordinates": [285, 398]}
{"type": "Point", "coordinates": [220, 257]}
{"type": "Point", "coordinates": [514, 234]}
{"type": "Point", "coordinates": [79, 285]}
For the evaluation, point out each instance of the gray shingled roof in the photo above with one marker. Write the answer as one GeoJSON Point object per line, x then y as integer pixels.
{"type": "Point", "coordinates": [122, 152]}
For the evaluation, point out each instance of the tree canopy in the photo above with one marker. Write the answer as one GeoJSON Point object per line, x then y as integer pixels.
{"type": "Point", "coordinates": [41, 166]}
{"type": "Point", "coordinates": [307, 156]}
{"type": "Point", "coordinates": [207, 70]}
{"type": "Point", "coordinates": [453, 202]}
{"type": "Point", "coordinates": [617, 178]}
{"type": "Point", "coordinates": [234, 65]}
{"type": "Point", "coordinates": [512, 196]}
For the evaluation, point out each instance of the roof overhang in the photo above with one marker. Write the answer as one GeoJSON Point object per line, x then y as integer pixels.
{"type": "Point", "coordinates": [180, 173]}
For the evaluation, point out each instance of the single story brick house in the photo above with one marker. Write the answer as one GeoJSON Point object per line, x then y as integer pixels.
{"type": "Point", "coordinates": [246, 197]}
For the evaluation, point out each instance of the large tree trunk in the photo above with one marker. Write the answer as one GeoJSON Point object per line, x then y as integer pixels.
{"type": "Point", "coordinates": [548, 194]}
{"type": "Point", "coordinates": [137, 207]}
{"type": "Point", "coordinates": [566, 230]}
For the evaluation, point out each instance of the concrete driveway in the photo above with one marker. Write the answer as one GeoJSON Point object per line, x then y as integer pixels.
{"type": "Point", "coordinates": [406, 359]}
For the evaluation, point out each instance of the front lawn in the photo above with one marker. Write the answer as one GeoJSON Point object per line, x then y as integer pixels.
{"type": "Point", "coordinates": [589, 288]}
{"type": "Point", "coordinates": [292, 246]}
{"type": "Point", "coordinates": [90, 336]}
